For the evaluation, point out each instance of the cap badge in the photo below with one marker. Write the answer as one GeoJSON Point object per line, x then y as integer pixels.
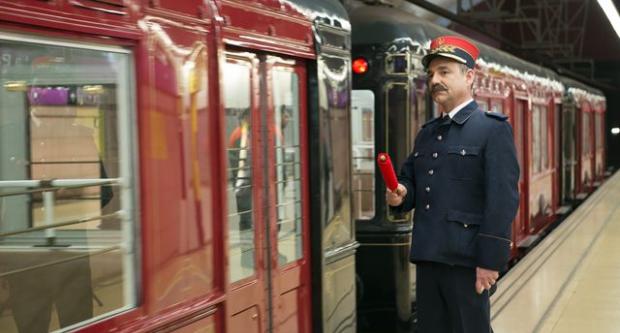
{"type": "Point", "coordinates": [445, 48]}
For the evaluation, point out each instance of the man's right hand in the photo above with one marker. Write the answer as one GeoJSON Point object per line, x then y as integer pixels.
{"type": "Point", "coordinates": [396, 197]}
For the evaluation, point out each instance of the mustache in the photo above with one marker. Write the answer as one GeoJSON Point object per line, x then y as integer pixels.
{"type": "Point", "coordinates": [438, 87]}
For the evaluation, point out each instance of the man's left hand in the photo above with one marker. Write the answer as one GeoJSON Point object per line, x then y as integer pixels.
{"type": "Point", "coordinates": [485, 278]}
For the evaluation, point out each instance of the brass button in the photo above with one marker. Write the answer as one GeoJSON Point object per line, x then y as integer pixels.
{"type": "Point", "coordinates": [466, 225]}
{"type": "Point", "coordinates": [435, 155]}
{"type": "Point", "coordinates": [431, 172]}
{"type": "Point", "coordinates": [427, 207]}
{"type": "Point", "coordinates": [415, 154]}
{"type": "Point", "coordinates": [439, 137]}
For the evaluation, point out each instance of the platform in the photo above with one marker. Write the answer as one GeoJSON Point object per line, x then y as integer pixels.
{"type": "Point", "coordinates": [571, 281]}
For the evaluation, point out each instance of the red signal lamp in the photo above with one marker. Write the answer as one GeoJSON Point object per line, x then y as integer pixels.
{"type": "Point", "coordinates": [360, 66]}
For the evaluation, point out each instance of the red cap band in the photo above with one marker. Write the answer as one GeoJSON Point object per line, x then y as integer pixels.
{"type": "Point", "coordinates": [453, 47]}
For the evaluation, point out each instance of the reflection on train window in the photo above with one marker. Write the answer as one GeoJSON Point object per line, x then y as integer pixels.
{"type": "Point", "coordinates": [398, 117]}
{"type": "Point", "coordinates": [397, 130]}
{"type": "Point", "coordinates": [336, 148]}
{"type": "Point", "coordinates": [287, 164]}
{"type": "Point", "coordinates": [239, 133]}
{"type": "Point", "coordinates": [363, 152]}
{"type": "Point", "coordinates": [66, 228]}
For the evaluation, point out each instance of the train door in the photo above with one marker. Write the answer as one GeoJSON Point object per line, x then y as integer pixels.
{"type": "Point", "coordinates": [569, 153]}
{"type": "Point", "coordinates": [289, 235]}
{"type": "Point", "coordinates": [598, 147]}
{"type": "Point", "coordinates": [557, 155]}
{"type": "Point", "coordinates": [264, 100]}
{"type": "Point", "coordinates": [584, 152]}
{"type": "Point", "coordinates": [591, 142]}
{"type": "Point", "coordinates": [519, 125]}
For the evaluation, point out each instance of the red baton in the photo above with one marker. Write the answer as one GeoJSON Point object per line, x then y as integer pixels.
{"type": "Point", "coordinates": [387, 170]}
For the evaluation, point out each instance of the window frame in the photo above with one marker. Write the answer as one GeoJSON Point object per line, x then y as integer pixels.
{"type": "Point", "coordinates": [358, 193]}
{"type": "Point", "coordinates": [391, 214]}
{"type": "Point", "coordinates": [128, 166]}
{"type": "Point", "coordinates": [240, 58]}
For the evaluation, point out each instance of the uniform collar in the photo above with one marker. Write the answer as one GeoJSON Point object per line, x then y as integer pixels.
{"type": "Point", "coordinates": [466, 112]}
{"type": "Point", "coordinates": [459, 107]}
{"type": "Point", "coordinates": [461, 116]}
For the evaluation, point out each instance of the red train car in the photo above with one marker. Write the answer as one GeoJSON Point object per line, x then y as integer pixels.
{"type": "Point", "coordinates": [175, 166]}
{"type": "Point", "coordinates": [588, 127]}
{"type": "Point", "coordinates": [530, 97]}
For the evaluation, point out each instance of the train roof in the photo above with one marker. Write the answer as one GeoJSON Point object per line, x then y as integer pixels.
{"type": "Point", "coordinates": [382, 24]}
{"type": "Point", "coordinates": [570, 83]}
{"type": "Point", "coordinates": [329, 12]}
{"type": "Point", "coordinates": [578, 90]}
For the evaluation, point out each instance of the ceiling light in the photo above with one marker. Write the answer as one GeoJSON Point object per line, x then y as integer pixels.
{"type": "Point", "coordinates": [612, 14]}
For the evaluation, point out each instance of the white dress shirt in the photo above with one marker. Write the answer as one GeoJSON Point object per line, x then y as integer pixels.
{"type": "Point", "coordinates": [458, 108]}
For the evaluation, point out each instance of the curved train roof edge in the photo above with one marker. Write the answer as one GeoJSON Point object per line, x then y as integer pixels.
{"type": "Point", "coordinates": [378, 24]}
{"type": "Point", "coordinates": [572, 83]}
{"type": "Point", "coordinates": [578, 90]}
{"type": "Point", "coordinates": [328, 12]}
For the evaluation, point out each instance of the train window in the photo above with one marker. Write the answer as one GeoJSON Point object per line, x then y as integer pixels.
{"type": "Point", "coordinates": [598, 130]}
{"type": "Point", "coordinates": [363, 140]}
{"type": "Point", "coordinates": [557, 148]}
{"type": "Point", "coordinates": [397, 64]}
{"type": "Point", "coordinates": [544, 138]}
{"type": "Point", "coordinates": [540, 140]}
{"type": "Point", "coordinates": [237, 103]}
{"type": "Point", "coordinates": [518, 133]}
{"type": "Point", "coordinates": [398, 131]}
{"type": "Point", "coordinates": [67, 184]}
{"type": "Point", "coordinates": [421, 114]}
{"type": "Point", "coordinates": [496, 106]}
{"type": "Point", "coordinates": [436, 109]}
{"type": "Point", "coordinates": [536, 144]}
{"type": "Point", "coordinates": [287, 164]}
{"type": "Point", "coordinates": [482, 104]}
{"type": "Point", "coordinates": [585, 143]}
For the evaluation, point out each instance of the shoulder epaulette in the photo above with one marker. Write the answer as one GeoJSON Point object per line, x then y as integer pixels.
{"type": "Point", "coordinates": [496, 115]}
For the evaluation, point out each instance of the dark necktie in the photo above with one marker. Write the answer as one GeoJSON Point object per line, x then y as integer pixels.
{"type": "Point", "coordinates": [445, 120]}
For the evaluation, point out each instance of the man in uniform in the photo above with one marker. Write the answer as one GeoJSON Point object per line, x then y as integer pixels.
{"type": "Point", "coordinates": [462, 179]}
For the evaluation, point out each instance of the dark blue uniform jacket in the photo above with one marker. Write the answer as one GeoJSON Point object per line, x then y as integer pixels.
{"type": "Point", "coordinates": [462, 179]}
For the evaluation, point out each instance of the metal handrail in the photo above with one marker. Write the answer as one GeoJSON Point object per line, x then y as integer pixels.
{"type": "Point", "coordinates": [83, 182]}
{"type": "Point", "coordinates": [48, 187]}
{"type": "Point", "coordinates": [53, 185]}
{"type": "Point", "coordinates": [65, 162]}
{"type": "Point", "coordinates": [61, 224]}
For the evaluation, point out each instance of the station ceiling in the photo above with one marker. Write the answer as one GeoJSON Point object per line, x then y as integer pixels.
{"type": "Point", "coordinates": [573, 36]}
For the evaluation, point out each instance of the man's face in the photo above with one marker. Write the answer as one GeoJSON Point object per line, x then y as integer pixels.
{"type": "Point", "coordinates": [448, 83]}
